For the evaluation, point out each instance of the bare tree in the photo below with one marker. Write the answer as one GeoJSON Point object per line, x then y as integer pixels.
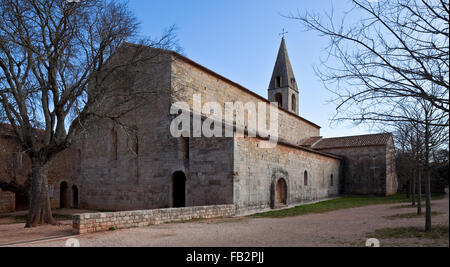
{"type": "Point", "coordinates": [391, 67]}
{"type": "Point", "coordinates": [397, 51]}
{"type": "Point", "coordinates": [408, 151]}
{"type": "Point", "coordinates": [54, 71]}
{"type": "Point", "coordinates": [434, 138]}
{"type": "Point", "coordinates": [421, 142]}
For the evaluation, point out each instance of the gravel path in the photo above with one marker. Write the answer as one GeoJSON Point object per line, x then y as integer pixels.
{"type": "Point", "coordinates": [338, 228]}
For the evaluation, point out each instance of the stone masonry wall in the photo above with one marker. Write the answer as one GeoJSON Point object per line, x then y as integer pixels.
{"type": "Point", "coordinates": [210, 172]}
{"type": "Point", "coordinates": [143, 180]}
{"type": "Point", "coordinates": [189, 79]}
{"type": "Point", "coordinates": [364, 169]}
{"type": "Point", "coordinates": [130, 168]}
{"type": "Point", "coordinates": [391, 170]}
{"type": "Point", "coordinates": [98, 222]}
{"type": "Point", "coordinates": [7, 202]}
{"type": "Point", "coordinates": [257, 171]}
{"type": "Point", "coordinates": [15, 168]}
{"type": "Point", "coordinates": [122, 170]}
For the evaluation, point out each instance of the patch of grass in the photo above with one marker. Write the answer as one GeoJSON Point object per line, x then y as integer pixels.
{"type": "Point", "coordinates": [435, 196]}
{"type": "Point", "coordinates": [412, 215]}
{"type": "Point", "coordinates": [409, 206]}
{"type": "Point", "coordinates": [437, 232]}
{"type": "Point", "coordinates": [338, 204]}
{"type": "Point", "coordinates": [112, 228]}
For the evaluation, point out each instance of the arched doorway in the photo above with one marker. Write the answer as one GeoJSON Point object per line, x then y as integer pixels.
{"type": "Point", "coordinates": [281, 193]}
{"type": "Point", "coordinates": [64, 200]}
{"type": "Point", "coordinates": [179, 190]}
{"type": "Point", "coordinates": [74, 196]}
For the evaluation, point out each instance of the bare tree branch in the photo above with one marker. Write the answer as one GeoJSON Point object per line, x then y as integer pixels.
{"type": "Point", "coordinates": [54, 72]}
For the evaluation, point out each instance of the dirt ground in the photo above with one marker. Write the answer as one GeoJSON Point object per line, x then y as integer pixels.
{"type": "Point", "coordinates": [348, 227]}
{"type": "Point", "coordinates": [12, 232]}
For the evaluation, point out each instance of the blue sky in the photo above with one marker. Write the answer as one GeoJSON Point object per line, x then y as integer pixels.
{"type": "Point", "coordinates": [239, 39]}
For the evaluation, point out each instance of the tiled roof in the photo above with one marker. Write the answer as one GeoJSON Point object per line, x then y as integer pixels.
{"type": "Point", "coordinates": [354, 141]}
{"type": "Point", "coordinates": [310, 141]}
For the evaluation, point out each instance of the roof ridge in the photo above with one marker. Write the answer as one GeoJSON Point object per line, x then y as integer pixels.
{"type": "Point", "coordinates": [354, 141]}
{"type": "Point", "coordinates": [363, 135]}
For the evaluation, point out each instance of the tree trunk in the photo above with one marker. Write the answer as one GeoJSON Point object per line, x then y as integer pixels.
{"type": "Point", "coordinates": [413, 190]}
{"type": "Point", "coordinates": [427, 175]}
{"type": "Point", "coordinates": [419, 185]}
{"type": "Point", "coordinates": [40, 211]}
{"type": "Point", "coordinates": [408, 192]}
{"type": "Point", "coordinates": [428, 204]}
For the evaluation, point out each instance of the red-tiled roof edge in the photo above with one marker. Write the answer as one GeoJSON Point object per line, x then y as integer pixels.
{"type": "Point", "coordinates": [389, 135]}
{"type": "Point", "coordinates": [311, 141]}
{"type": "Point", "coordinates": [362, 135]}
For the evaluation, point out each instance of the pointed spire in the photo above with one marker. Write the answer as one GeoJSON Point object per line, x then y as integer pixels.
{"type": "Point", "coordinates": [283, 74]}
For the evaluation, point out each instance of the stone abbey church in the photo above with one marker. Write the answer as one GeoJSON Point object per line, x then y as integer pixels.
{"type": "Point", "coordinates": [109, 169]}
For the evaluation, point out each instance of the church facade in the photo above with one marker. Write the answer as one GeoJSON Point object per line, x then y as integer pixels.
{"type": "Point", "coordinates": [148, 168]}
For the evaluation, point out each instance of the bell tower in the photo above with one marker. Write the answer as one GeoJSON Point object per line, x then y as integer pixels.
{"type": "Point", "coordinates": [283, 86]}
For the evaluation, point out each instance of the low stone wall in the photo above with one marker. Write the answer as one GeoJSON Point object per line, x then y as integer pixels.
{"type": "Point", "coordinates": [7, 202]}
{"type": "Point", "coordinates": [98, 222]}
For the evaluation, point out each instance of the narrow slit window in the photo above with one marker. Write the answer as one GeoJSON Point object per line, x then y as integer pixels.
{"type": "Point", "coordinates": [278, 82]}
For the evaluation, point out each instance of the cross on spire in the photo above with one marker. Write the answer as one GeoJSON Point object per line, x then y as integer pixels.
{"type": "Point", "coordinates": [283, 33]}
